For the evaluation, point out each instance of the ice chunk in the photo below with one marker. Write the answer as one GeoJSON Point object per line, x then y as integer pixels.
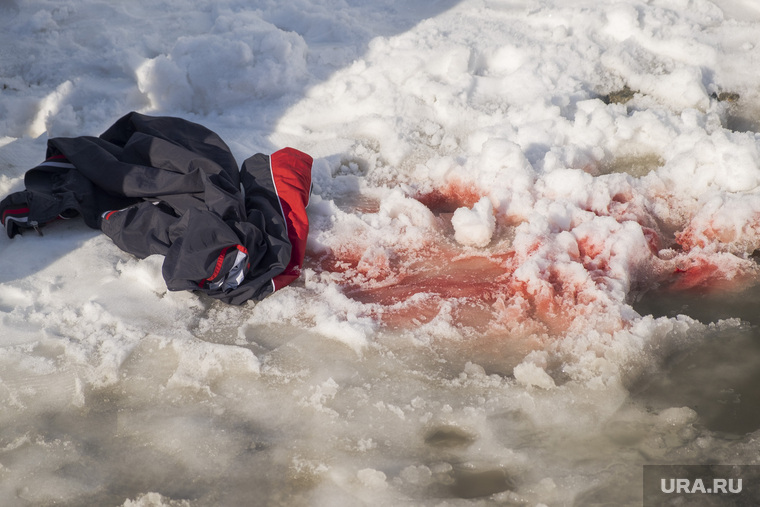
{"type": "Point", "coordinates": [474, 227]}
{"type": "Point", "coordinates": [530, 374]}
{"type": "Point", "coordinates": [372, 478]}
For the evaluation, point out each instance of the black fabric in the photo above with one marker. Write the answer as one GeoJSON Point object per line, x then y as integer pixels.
{"type": "Point", "coordinates": [163, 185]}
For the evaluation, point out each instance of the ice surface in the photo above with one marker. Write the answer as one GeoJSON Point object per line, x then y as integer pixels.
{"type": "Point", "coordinates": [531, 268]}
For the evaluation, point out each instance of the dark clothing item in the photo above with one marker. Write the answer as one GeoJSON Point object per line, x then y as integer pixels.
{"type": "Point", "coordinates": [163, 185]}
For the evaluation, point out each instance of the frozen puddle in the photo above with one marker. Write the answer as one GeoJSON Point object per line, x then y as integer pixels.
{"type": "Point", "coordinates": [229, 409]}
{"type": "Point", "coordinates": [718, 374]}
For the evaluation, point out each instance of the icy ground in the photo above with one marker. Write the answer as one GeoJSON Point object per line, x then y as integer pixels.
{"type": "Point", "coordinates": [531, 268]}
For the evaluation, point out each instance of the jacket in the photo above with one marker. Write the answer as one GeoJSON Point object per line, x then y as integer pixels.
{"type": "Point", "coordinates": [168, 186]}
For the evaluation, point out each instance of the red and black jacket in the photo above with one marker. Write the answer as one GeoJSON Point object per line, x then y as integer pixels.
{"type": "Point", "coordinates": [167, 186]}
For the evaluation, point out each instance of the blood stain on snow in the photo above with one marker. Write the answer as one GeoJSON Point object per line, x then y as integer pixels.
{"type": "Point", "coordinates": [706, 266]}
{"type": "Point", "coordinates": [470, 285]}
{"type": "Point", "coordinates": [712, 273]}
{"type": "Point", "coordinates": [476, 292]}
{"type": "Point", "coordinates": [405, 285]}
{"type": "Point", "coordinates": [450, 197]}
{"type": "Point", "coordinates": [700, 273]}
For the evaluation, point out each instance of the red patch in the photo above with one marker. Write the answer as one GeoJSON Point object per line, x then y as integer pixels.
{"type": "Point", "coordinates": [708, 274]}
{"type": "Point", "coordinates": [487, 292]}
{"type": "Point", "coordinates": [476, 292]}
{"type": "Point", "coordinates": [450, 197]}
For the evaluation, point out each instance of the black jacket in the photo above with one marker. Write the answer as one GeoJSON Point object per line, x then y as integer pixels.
{"type": "Point", "coordinates": [163, 185]}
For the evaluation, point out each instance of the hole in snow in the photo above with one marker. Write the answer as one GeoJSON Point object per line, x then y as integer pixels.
{"type": "Point", "coordinates": [637, 165]}
{"type": "Point", "coordinates": [740, 116]}
{"type": "Point", "coordinates": [449, 436]}
{"type": "Point", "coordinates": [718, 373]}
{"type": "Point", "coordinates": [478, 483]}
{"type": "Point", "coordinates": [743, 120]}
{"type": "Point", "coordinates": [450, 197]}
{"type": "Point", "coordinates": [703, 305]}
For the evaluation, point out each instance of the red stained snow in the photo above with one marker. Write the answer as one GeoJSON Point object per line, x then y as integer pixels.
{"type": "Point", "coordinates": [450, 197]}
{"type": "Point", "coordinates": [485, 291]}
{"type": "Point", "coordinates": [478, 292]}
{"type": "Point", "coordinates": [712, 272]}
{"type": "Point", "coordinates": [698, 274]}
{"type": "Point", "coordinates": [708, 264]}
{"type": "Point", "coordinates": [710, 233]}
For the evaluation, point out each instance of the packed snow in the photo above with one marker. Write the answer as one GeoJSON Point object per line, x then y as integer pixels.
{"type": "Point", "coordinates": [531, 267]}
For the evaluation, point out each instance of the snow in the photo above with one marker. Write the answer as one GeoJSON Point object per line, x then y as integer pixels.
{"type": "Point", "coordinates": [529, 217]}
{"type": "Point", "coordinates": [474, 226]}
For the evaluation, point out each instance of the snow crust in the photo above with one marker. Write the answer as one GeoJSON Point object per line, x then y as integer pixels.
{"type": "Point", "coordinates": [497, 185]}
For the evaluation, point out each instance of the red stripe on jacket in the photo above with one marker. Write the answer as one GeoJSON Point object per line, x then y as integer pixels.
{"type": "Point", "coordinates": [291, 172]}
{"type": "Point", "coordinates": [15, 212]}
{"type": "Point", "coordinates": [220, 262]}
